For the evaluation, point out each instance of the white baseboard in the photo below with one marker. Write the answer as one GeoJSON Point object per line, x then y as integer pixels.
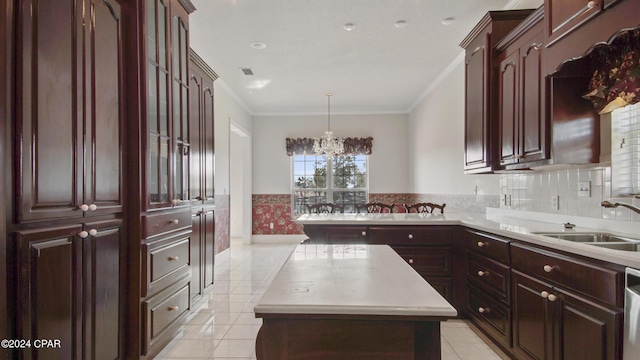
{"type": "Point", "coordinates": [274, 239]}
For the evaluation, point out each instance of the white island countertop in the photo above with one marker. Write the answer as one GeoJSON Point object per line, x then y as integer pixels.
{"type": "Point", "coordinates": [369, 280]}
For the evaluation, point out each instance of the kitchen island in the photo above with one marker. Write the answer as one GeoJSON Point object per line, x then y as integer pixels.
{"type": "Point", "coordinates": [349, 301]}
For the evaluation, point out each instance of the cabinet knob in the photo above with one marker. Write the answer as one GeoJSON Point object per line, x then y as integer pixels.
{"type": "Point", "coordinates": [364, 233]}
{"type": "Point", "coordinates": [547, 268]}
{"type": "Point", "coordinates": [175, 201]}
{"type": "Point", "coordinates": [483, 310]}
{"type": "Point", "coordinates": [410, 261]}
{"type": "Point", "coordinates": [173, 308]}
{"type": "Point", "coordinates": [84, 207]}
{"type": "Point", "coordinates": [481, 244]}
{"type": "Point", "coordinates": [93, 232]}
{"type": "Point", "coordinates": [93, 207]}
{"type": "Point", "coordinates": [175, 221]}
{"type": "Point", "coordinates": [173, 258]}
{"type": "Point", "coordinates": [483, 273]}
{"type": "Point", "coordinates": [544, 294]}
{"type": "Point", "coordinates": [552, 297]}
{"type": "Point", "coordinates": [410, 236]}
{"type": "Point", "coordinates": [591, 4]}
{"type": "Point", "coordinates": [83, 234]}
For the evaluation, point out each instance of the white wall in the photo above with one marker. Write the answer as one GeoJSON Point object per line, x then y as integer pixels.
{"type": "Point", "coordinates": [436, 138]}
{"type": "Point", "coordinates": [226, 108]}
{"type": "Point", "coordinates": [388, 165]}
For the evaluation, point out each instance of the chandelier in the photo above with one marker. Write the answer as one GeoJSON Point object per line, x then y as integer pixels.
{"type": "Point", "coordinates": [327, 144]}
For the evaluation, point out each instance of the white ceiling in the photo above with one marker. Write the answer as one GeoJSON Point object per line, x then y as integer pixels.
{"type": "Point", "coordinates": [375, 68]}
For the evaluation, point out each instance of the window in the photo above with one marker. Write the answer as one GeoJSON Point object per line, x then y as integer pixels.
{"type": "Point", "coordinates": [346, 184]}
{"type": "Point", "coordinates": [625, 152]}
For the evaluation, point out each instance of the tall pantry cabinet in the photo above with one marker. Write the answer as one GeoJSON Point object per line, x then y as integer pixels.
{"type": "Point", "coordinates": [66, 225]}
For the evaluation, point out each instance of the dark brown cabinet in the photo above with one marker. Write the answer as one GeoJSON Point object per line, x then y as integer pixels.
{"type": "Point", "coordinates": [69, 131]}
{"type": "Point", "coordinates": [564, 16]}
{"type": "Point", "coordinates": [481, 90]}
{"type": "Point", "coordinates": [202, 251]}
{"type": "Point", "coordinates": [523, 124]}
{"type": "Point", "coordinates": [564, 307]}
{"type": "Point", "coordinates": [70, 289]}
{"type": "Point", "coordinates": [69, 169]}
{"type": "Point", "coordinates": [488, 292]}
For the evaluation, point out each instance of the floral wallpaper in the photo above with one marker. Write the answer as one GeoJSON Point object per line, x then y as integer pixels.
{"type": "Point", "coordinates": [276, 208]}
{"type": "Point", "coordinates": [223, 223]}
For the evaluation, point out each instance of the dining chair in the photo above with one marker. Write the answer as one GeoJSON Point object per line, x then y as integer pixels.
{"type": "Point", "coordinates": [375, 207]}
{"type": "Point", "coordinates": [324, 208]}
{"type": "Point", "coordinates": [424, 207]}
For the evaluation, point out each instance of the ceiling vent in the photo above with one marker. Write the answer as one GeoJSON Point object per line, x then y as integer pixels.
{"type": "Point", "coordinates": [247, 71]}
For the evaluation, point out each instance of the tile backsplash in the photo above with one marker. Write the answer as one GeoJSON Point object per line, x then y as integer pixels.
{"type": "Point", "coordinates": [574, 191]}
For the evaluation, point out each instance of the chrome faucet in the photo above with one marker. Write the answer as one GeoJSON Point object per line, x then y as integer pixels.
{"type": "Point", "coordinates": [609, 204]}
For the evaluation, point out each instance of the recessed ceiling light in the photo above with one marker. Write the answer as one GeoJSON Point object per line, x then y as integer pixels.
{"type": "Point", "coordinates": [447, 20]}
{"type": "Point", "coordinates": [258, 45]}
{"type": "Point", "coordinates": [400, 24]}
{"type": "Point", "coordinates": [349, 26]}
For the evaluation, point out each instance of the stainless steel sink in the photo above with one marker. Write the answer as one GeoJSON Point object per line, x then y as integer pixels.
{"type": "Point", "coordinates": [604, 240]}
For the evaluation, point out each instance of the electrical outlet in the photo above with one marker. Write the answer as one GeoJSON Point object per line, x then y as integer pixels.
{"type": "Point", "coordinates": [271, 226]}
{"type": "Point", "coordinates": [584, 188]}
{"type": "Point", "coordinates": [555, 202]}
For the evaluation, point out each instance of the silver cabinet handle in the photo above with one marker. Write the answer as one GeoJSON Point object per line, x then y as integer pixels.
{"type": "Point", "coordinates": [83, 234]}
{"type": "Point", "coordinates": [410, 236]}
{"type": "Point", "coordinates": [173, 308]}
{"type": "Point", "coordinates": [552, 297]}
{"type": "Point", "coordinates": [173, 258]}
{"type": "Point", "coordinates": [483, 273]}
{"type": "Point", "coordinates": [175, 221]}
{"type": "Point", "coordinates": [483, 310]}
{"type": "Point", "coordinates": [410, 261]}
{"type": "Point", "coordinates": [481, 244]}
{"type": "Point", "coordinates": [547, 268]}
{"type": "Point", "coordinates": [364, 233]}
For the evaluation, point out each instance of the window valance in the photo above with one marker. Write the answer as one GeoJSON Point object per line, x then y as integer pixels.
{"type": "Point", "coordinates": [616, 79]}
{"type": "Point", "coordinates": [352, 146]}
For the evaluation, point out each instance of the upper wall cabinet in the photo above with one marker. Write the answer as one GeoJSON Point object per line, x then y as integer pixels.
{"type": "Point", "coordinates": [70, 109]}
{"type": "Point", "coordinates": [481, 90]}
{"type": "Point", "coordinates": [522, 121]}
{"type": "Point", "coordinates": [168, 146]}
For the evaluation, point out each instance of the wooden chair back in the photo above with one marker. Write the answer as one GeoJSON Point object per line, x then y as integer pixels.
{"type": "Point", "coordinates": [375, 207]}
{"type": "Point", "coordinates": [324, 208]}
{"type": "Point", "coordinates": [424, 208]}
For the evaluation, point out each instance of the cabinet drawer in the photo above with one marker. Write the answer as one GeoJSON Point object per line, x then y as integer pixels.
{"type": "Point", "coordinates": [410, 235]}
{"type": "Point", "coordinates": [427, 260]}
{"type": "Point", "coordinates": [443, 285]}
{"type": "Point", "coordinates": [488, 245]}
{"type": "Point", "coordinates": [162, 314]}
{"type": "Point", "coordinates": [164, 262]}
{"type": "Point", "coordinates": [489, 275]}
{"type": "Point", "coordinates": [490, 314]}
{"type": "Point", "coordinates": [583, 276]}
{"type": "Point", "coordinates": [163, 222]}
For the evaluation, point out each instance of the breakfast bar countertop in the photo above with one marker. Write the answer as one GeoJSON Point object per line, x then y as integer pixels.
{"type": "Point", "coordinates": [351, 280]}
{"type": "Point", "coordinates": [523, 226]}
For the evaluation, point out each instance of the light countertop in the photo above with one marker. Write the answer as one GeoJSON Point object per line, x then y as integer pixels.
{"type": "Point", "coordinates": [524, 227]}
{"type": "Point", "coordinates": [351, 280]}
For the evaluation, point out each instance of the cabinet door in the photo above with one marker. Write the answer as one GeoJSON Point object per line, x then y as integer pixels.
{"type": "Point", "coordinates": [180, 103]}
{"type": "Point", "coordinates": [586, 330]}
{"type": "Point", "coordinates": [159, 143]}
{"type": "Point", "coordinates": [208, 246]}
{"type": "Point", "coordinates": [195, 130]}
{"type": "Point", "coordinates": [533, 127]}
{"type": "Point", "coordinates": [195, 255]}
{"type": "Point", "coordinates": [509, 108]}
{"type": "Point", "coordinates": [532, 324]}
{"type": "Point", "coordinates": [476, 112]}
{"type": "Point", "coordinates": [105, 111]}
{"type": "Point", "coordinates": [564, 16]}
{"type": "Point", "coordinates": [49, 285]}
{"type": "Point", "coordinates": [102, 293]}
{"type": "Point", "coordinates": [208, 127]}
{"type": "Point", "coordinates": [48, 111]}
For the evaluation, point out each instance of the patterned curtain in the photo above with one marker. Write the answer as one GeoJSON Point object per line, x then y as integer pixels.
{"type": "Point", "coordinates": [352, 146]}
{"type": "Point", "coordinates": [616, 79]}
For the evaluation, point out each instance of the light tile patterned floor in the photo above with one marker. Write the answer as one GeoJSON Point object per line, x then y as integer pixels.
{"type": "Point", "coordinates": [222, 325]}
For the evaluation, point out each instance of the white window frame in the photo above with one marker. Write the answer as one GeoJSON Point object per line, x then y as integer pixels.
{"type": "Point", "coordinates": [330, 189]}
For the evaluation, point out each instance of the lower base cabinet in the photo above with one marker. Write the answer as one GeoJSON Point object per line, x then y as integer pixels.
{"type": "Point", "coordinates": [552, 323]}
{"type": "Point", "coordinates": [70, 291]}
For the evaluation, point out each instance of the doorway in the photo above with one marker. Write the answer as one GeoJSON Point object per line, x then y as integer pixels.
{"type": "Point", "coordinates": [240, 183]}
